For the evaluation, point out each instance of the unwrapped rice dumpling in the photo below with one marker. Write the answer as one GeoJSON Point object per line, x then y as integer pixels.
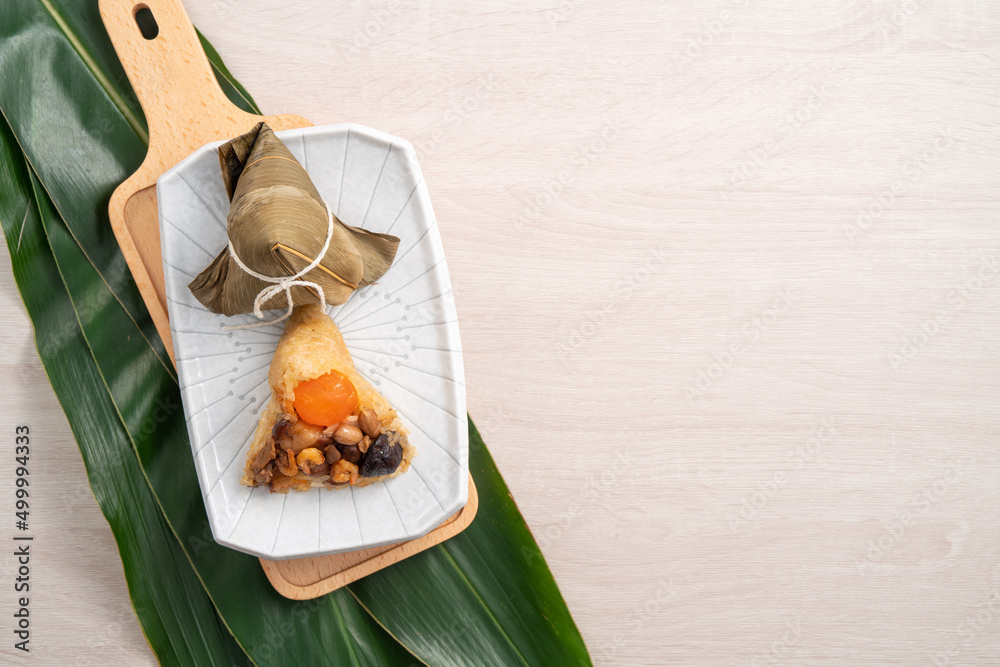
{"type": "Point", "coordinates": [324, 425]}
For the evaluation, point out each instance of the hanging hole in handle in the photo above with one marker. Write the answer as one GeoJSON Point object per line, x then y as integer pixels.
{"type": "Point", "coordinates": [146, 21]}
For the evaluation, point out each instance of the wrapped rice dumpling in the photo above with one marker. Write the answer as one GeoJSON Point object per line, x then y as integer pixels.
{"type": "Point", "coordinates": [278, 224]}
{"type": "Point", "coordinates": [324, 425]}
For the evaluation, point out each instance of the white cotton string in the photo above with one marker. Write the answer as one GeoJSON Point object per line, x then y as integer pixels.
{"type": "Point", "coordinates": [282, 283]}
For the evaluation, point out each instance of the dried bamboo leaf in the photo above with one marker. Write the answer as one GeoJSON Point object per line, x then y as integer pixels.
{"type": "Point", "coordinates": [278, 223]}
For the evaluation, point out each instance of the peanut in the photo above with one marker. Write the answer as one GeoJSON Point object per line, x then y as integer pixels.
{"type": "Point", "coordinates": [347, 434]}
{"type": "Point", "coordinates": [369, 423]}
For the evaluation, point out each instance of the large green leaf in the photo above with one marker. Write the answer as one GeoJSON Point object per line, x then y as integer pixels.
{"type": "Point", "coordinates": [334, 629]}
{"type": "Point", "coordinates": [483, 597]}
{"type": "Point", "coordinates": [176, 615]}
{"type": "Point", "coordinates": [69, 105]}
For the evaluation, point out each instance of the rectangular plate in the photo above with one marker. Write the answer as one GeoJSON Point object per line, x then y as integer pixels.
{"type": "Point", "coordinates": [403, 334]}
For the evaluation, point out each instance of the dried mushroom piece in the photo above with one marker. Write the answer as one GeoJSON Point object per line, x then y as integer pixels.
{"type": "Point", "coordinates": [382, 458]}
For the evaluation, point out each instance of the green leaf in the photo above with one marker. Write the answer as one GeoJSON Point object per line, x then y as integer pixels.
{"type": "Point", "coordinates": [176, 615]}
{"type": "Point", "coordinates": [505, 607]}
{"type": "Point", "coordinates": [83, 29]}
{"type": "Point", "coordinates": [72, 115]}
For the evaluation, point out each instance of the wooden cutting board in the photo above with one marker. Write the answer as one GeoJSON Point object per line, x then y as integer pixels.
{"type": "Point", "coordinates": [185, 109]}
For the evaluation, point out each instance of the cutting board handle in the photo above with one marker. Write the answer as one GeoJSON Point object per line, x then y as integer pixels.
{"type": "Point", "coordinates": [169, 72]}
{"type": "Point", "coordinates": [185, 109]}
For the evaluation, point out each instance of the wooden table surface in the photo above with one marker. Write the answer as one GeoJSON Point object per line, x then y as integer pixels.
{"type": "Point", "coordinates": [728, 280]}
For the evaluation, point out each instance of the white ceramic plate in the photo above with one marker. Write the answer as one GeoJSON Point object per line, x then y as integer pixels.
{"type": "Point", "coordinates": [403, 334]}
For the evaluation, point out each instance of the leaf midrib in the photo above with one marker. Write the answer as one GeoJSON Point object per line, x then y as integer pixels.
{"type": "Point", "coordinates": [130, 117]}
{"type": "Point", "coordinates": [31, 168]}
{"type": "Point", "coordinates": [342, 624]}
{"type": "Point", "coordinates": [479, 598]}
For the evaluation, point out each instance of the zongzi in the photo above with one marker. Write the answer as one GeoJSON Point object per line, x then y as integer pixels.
{"type": "Point", "coordinates": [278, 224]}
{"type": "Point", "coordinates": [325, 425]}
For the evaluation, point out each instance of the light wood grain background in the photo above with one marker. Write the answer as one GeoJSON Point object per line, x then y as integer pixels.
{"type": "Point", "coordinates": [728, 278]}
